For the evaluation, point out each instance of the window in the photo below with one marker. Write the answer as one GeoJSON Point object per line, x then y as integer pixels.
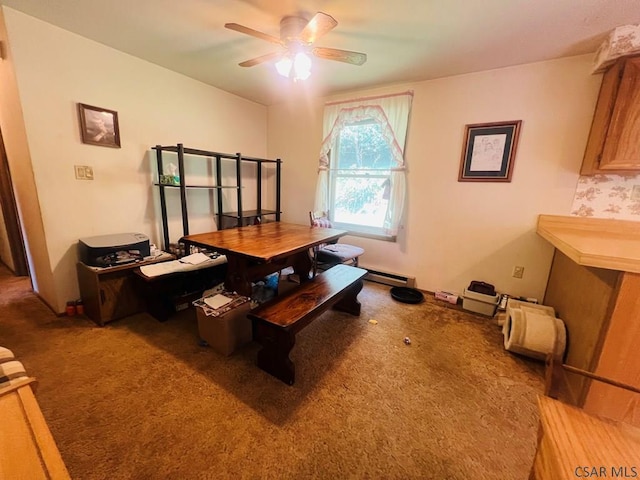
{"type": "Point", "coordinates": [361, 169]}
{"type": "Point", "coordinates": [359, 178]}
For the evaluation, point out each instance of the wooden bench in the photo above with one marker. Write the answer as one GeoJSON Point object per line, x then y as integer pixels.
{"type": "Point", "coordinates": [277, 321]}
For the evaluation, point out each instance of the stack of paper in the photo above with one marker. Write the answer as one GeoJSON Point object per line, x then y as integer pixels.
{"type": "Point", "coordinates": [220, 303]}
{"type": "Point", "coordinates": [217, 301]}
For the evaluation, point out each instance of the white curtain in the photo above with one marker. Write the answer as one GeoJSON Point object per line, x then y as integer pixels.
{"type": "Point", "coordinates": [391, 112]}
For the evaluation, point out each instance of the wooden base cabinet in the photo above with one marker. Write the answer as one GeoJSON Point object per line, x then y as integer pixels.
{"type": "Point", "coordinates": [110, 293]}
{"type": "Point", "coordinates": [594, 286]}
{"type": "Point", "coordinates": [582, 297]}
{"type": "Point", "coordinates": [601, 310]}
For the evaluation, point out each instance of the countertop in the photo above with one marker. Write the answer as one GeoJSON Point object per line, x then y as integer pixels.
{"type": "Point", "coordinates": [594, 242]}
{"type": "Point", "coordinates": [576, 444]}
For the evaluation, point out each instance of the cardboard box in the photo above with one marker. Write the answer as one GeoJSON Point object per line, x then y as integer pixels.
{"type": "Point", "coordinates": [227, 332]}
{"type": "Point", "coordinates": [480, 303]}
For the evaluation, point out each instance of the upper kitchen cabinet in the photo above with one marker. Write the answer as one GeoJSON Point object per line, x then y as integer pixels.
{"type": "Point", "coordinates": [614, 141]}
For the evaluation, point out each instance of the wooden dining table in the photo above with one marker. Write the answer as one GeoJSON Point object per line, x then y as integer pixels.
{"type": "Point", "coordinates": [256, 251]}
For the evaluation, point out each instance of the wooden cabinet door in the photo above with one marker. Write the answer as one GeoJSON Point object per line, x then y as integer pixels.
{"type": "Point", "coordinates": [602, 119]}
{"type": "Point", "coordinates": [622, 145]}
{"type": "Point", "coordinates": [108, 294]}
{"type": "Point", "coordinates": [118, 297]}
{"type": "Point", "coordinates": [619, 359]}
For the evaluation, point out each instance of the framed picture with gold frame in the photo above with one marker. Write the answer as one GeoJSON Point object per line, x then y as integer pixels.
{"type": "Point", "coordinates": [99, 126]}
{"type": "Point", "coordinates": [489, 151]}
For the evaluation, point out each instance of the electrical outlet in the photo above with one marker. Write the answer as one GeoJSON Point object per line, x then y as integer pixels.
{"type": "Point", "coordinates": [83, 172]}
{"type": "Point", "coordinates": [518, 272]}
{"type": "Point", "coordinates": [635, 193]}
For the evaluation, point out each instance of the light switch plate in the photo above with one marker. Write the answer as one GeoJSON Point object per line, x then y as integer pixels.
{"type": "Point", "coordinates": [83, 172]}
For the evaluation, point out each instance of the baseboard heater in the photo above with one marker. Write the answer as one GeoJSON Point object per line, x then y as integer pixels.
{"type": "Point", "coordinates": [392, 279]}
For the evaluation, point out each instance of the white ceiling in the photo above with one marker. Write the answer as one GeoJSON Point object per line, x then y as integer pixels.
{"type": "Point", "coordinates": [405, 40]}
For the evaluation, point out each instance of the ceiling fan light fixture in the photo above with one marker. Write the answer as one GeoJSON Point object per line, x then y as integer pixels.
{"type": "Point", "coordinates": [301, 66]}
{"type": "Point", "coordinates": [283, 66]}
{"type": "Point", "coordinates": [297, 69]}
{"type": "Point", "coordinates": [297, 38]}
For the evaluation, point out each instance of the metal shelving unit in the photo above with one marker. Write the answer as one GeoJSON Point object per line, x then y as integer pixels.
{"type": "Point", "coordinates": [241, 216]}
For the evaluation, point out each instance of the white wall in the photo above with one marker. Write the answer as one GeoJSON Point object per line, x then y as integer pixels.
{"type": "Point", "coordinates": [456, 232]}
{"type": "Point", "coordinates": [55, 70]}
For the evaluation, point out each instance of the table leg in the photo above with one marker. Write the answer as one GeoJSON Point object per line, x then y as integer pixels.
{"type": "Point", "coordinates": [236, 279]}
{"type": "Point", "coordinates": [301, 263]}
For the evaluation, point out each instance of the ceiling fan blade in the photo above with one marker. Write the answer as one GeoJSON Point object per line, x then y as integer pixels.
{"type": "Point", "coordinates": [320, 24]}
{"type": "Point", "coordinates": [355, 58]}
{"type": "Point", "coordinates": [264, 58]}
{"type": "Point", "coordinates": [253, 33]}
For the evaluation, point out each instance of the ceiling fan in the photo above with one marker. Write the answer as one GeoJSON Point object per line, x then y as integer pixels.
{"type": "Point", "coordinates": [297, 36]}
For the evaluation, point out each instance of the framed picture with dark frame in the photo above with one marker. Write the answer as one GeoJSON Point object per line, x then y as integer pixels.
{"type": "Point", "coordinates": [489, 151]}
{"type": "Point", "coordinates": [99, 126]}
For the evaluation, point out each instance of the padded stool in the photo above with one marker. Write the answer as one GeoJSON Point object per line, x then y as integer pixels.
{"type": "Point", "coordinates": [6, 355]}
{"type": "Point", "coordinates": [339, 253]}
{"type": "Point", "coordinates": [11, 371]}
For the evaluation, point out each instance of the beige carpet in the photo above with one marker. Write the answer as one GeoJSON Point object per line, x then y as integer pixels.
{"type": "Point", "coordinates": [139, 399]}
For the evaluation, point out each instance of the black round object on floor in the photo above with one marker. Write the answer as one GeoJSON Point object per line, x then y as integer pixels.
{"type": "Point", "coordinates": [407, 295]}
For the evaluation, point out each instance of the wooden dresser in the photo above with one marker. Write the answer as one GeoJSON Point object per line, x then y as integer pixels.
{"type": "Point", "coordinates": [27, 449]}
{"type": "Point", "coordinates": [574, 444]}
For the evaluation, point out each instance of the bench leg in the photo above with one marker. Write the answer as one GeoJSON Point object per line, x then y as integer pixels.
{"type": "Point", "coordinates": [349, 303]}
{"type": "Point", "coordinates": [274, 358]}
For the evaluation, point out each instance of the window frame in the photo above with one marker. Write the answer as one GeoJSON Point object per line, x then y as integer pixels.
{"type": "Point", "coordinates": [355, 229]}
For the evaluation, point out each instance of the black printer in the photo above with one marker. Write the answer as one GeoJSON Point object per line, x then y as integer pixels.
{"type": "Point", "coordinates": [114, 249]}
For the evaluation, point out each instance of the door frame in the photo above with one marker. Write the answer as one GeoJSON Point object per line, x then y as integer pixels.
{"type": "Point", "coordinates": [11, 216]}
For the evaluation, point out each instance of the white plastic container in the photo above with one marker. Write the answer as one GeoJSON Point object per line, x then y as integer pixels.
{"type": "Point", "coordinates": [480, 303]}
